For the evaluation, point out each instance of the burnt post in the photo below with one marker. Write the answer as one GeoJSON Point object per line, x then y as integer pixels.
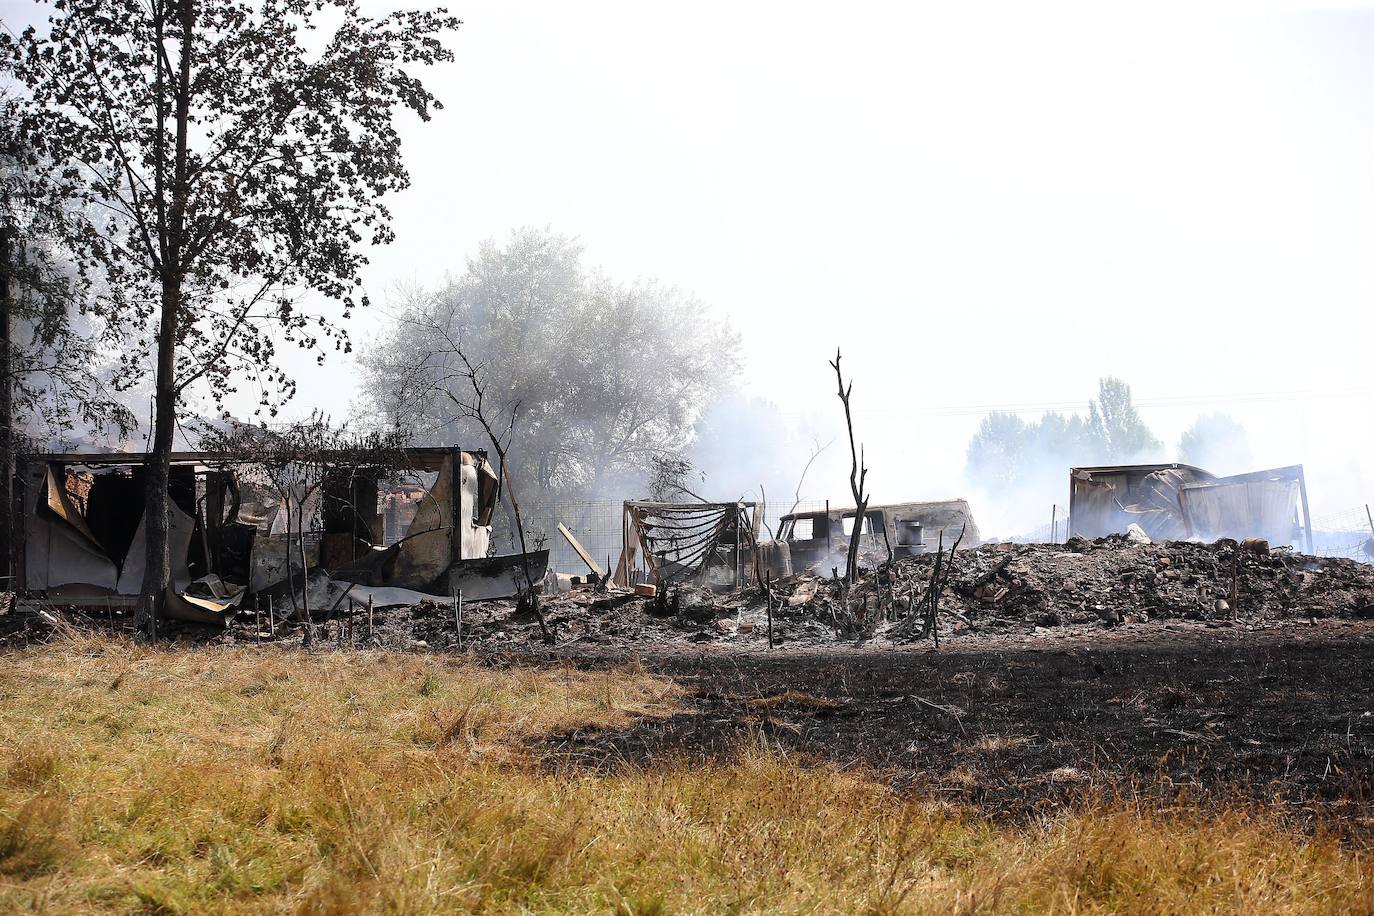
{"type": "Point", "coordinates": [456, 508]}
{"type": "Point", "coordinates": [768, 603]}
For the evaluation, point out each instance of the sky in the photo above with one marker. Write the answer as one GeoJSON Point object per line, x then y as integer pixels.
{"type": "Point", "coordinates": [983, 205]}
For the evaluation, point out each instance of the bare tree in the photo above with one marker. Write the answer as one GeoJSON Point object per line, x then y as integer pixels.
{"type": "Point", "coordinates": [475, 408]}
{"type": "Point", "coordinates": [669, 478]}
{"type": "Point", "coordinates": [858, 474]}
{"type": "Point", "coordinates": [816, 449]}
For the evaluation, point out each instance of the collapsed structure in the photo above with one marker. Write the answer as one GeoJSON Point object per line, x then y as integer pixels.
{"type": "Point", "coordinates": [1179, 502]}
{"type": "Point", "coordinates": [717, 545]}
{"type": "Point", "coordinates": [418, 528]}
{"type": "Point", "coordinates": [710, 544]}
{"type": "Point", "coordinates": [80, 537]}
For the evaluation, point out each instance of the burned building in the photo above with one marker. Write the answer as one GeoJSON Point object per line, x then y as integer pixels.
{"type": "Point", "coordinates": [80, 536]}
{"type": "Point", "coordinates": [709, 544]}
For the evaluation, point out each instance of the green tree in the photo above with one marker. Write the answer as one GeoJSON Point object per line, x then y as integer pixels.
{"type": "Point", "coordinates": [607, 377]}
{"type": "Point", "coordinates": [996, 452]}
{"type": "Point", "coordinates": [220, 157]}
{"type": "Point", "coordinates": [1115, 425]}
{"type": "Point", "coordinates": [1008, 452]}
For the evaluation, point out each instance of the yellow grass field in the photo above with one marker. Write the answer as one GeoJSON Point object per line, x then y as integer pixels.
{"type": "Point", "coordinates": [241, 780]}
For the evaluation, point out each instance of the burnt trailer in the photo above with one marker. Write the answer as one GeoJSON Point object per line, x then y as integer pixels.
{"type": "Point", "coordinates": [1178, 502]}
{"type": "Point", "coordinates": [79, 532]}
{"type": "Point", "coordinates": [818, 539]}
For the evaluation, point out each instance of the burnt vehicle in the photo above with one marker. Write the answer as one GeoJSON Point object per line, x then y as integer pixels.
{"type": "Point", "coordinates": [819, 539]}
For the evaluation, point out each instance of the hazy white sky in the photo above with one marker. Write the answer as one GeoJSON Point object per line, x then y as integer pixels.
{"type": "Point", "coordinates": [983, 204]}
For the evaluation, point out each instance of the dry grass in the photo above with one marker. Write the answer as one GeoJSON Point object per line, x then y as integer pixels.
{"type": "Point", "coordinates": [234, 780]}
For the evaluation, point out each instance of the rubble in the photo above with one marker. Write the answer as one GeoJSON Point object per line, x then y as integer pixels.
{"type": "Point", "coordinates": [1082, 580]}
{"type": "Point", "coordinates": [993, 587]}
{"type": "Point", "coordinates": [992, 590]}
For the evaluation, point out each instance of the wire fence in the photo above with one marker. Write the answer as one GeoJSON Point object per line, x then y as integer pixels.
{"type": "Point", "coordinates": [595, 523]}
{"type": "Point", "coordinates": [1348, 533]}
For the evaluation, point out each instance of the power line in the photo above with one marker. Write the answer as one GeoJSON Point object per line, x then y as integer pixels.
{"type": "Point", "coordinates": [1036, 407]}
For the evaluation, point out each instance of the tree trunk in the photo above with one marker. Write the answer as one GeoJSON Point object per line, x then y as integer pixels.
{"type": "Point", "coordinates": [290, 576]}
{"type": "Point", "coordinates": [512, 527]}
{"type": "Point", "coordinates": [157, 503]}
{"type": "Point", "coordinates": [305, 569]}
{"type": "Point", "coordinates": [158, 573]}
{"type": "Point", "coordinates": [851, 564]}
{"type": "Point", "coordinates": [7, 520]}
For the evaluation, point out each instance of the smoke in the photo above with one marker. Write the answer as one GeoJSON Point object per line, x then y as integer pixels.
{"type": "Point", "coordinates": [1032, 500]}
{"type": "Point", "coordinates": [1216, 442]}
{"type": "Point", "coordinates": [747, 448]}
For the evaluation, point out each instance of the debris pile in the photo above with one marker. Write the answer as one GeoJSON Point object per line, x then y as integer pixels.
{"type": "Point", "coordinates": [1112, 580]}
{"type": "Point", "coordinates": [990, 590]}
{"type": "Point", "coordinates": [1119, 578]}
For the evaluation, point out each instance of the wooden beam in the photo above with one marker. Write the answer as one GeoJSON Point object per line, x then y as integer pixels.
{"type": "Point", "coordinates": [581, 551]}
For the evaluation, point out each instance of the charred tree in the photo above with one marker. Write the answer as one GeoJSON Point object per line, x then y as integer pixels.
{"type": "Point", "coordinates": [858, 474]}
{"type": "Point", "coordinates": [476, 409]}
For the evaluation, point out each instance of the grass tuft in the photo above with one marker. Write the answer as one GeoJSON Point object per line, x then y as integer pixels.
{"type": "Point", "coordinates": [30, 842]}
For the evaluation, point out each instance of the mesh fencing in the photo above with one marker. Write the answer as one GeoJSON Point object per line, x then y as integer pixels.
{"type": "Point", "coordinates": [595, 523]}
{"type": "Point", "coordinates": [1348, 533]}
